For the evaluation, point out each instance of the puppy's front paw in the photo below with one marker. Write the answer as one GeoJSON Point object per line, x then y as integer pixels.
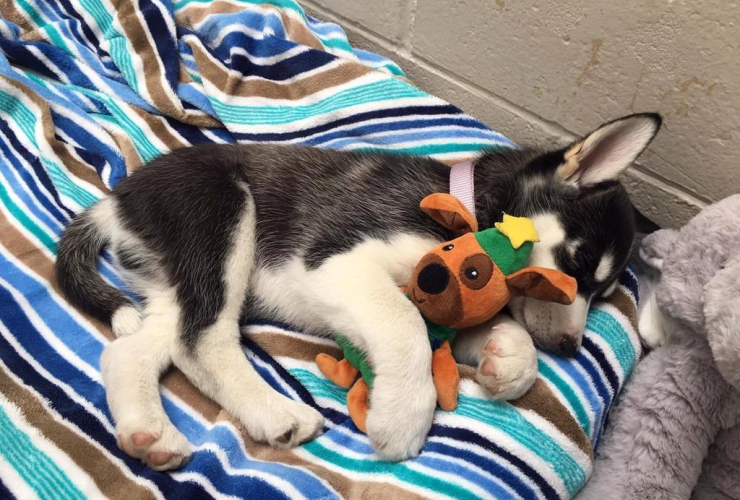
{"type": "Point", "coordinates": [400, 416]}
{"type": "Point", "coordinates": [508, 362]}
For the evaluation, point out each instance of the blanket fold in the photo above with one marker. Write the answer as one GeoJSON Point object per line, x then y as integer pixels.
{"type": "Point", "coordinates": [92, 89]}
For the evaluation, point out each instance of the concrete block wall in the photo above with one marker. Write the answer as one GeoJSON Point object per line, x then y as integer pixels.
{"type": "Point", "coordinates": [547, 71]}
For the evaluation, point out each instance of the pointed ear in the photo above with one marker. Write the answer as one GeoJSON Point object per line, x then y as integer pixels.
{"type": "Point", "coordinates": [449, 212]}
{"type": "Point", "coordinates": [543, 284]}
{"type": "Point", "coordinates": [607, 151]}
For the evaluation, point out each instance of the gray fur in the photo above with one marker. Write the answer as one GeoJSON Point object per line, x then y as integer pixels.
{"type": "Point", "coordinates": [681, 405]}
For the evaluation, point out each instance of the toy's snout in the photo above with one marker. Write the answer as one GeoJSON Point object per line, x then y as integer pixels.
{"type": "Point", "coordinates": [457, 284]}
{"type": "Point", "coordinates": [433, 279]}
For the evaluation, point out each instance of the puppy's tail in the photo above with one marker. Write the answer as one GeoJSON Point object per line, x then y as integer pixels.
{"type": "Point", "coordinates": [77, 274]}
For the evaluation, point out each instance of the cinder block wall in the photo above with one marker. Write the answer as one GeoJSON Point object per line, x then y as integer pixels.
{"type": "Point", "coordinates": [546, 71]}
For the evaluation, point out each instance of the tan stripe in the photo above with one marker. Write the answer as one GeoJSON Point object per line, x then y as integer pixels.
{"type": "Point", "coordinates": [166, 102]}
{"type": "Point", "coordinates": [280, 345]}
{"type": "Point", "coordinates": [126, 148]}
{"type": "Point", "coordinates": [623, 302]}
{"type": "Point", "coordinates": [22, 249]}
{"type": "Point", "coordinates": [159, 127]}
{"type": "Point", "coordinates": [543, 402]}
{"type": "Point", "coordinates": [76, 167]}
{"type": "Point", "coordinates": [234, 85]}
{"type": "Point", "coordinates": [107, 475]}
{"type": "Point", "coordinates": [348, 488]}
{"type": "Point", "coordinates": [9, 11]}
{"type": "Point", "coordinates": [297, 30]}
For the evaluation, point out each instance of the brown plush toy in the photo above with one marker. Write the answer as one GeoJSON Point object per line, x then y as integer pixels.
{"type": "Point", "coordinates": [458, 284]}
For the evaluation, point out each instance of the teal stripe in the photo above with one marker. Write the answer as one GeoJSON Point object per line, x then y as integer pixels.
{"type": "Point", "coordinates": [54, 36]}
{"type": "Point", "coordinates": [506, 418]}
{"type": "Point", "coordinates": [146, 149]}
{"type": "Point", "coordinates": [119, 50]}
{"type": "Point", "coordinates": [565, 388]}
{"type": "Point", "coordinates": [607, 327]}
{"type": "Point", "coordinates": [19, 215]}
{"type": "Point", "coordinates": [283, 4]}
{"type": "Point", "coordinates": [436, 149]}
{"type": "Point", "coordinates": [27, 121]}
{"type": "Point", "coordinates": [388, 90]}
{"type": "Point", "coordinates": [33, 465]}
{"type": "Point", "coordinates": [502, 416]}
{"type": "Point", "coordinates": [398, 470]}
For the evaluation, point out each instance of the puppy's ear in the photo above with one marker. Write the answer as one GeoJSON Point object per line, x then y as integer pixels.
{"type": "Point", "coordinates": [543, 284]}
{"type": "Point", "coordinates": [607, 151]}
{"type": "Point", "coordinates": [449, 212]}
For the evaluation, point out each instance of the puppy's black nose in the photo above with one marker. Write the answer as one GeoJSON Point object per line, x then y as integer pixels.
{"type": "Point", "coordinates": [568, 346]}
{"type": "Point", "coordinates": [433, 279]}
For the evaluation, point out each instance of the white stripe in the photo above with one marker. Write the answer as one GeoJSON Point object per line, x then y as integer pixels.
{"type": "Point", "coordinates": [506, 441]}
{"type": "Point", "coordinates": [286, 487]}
{"type": "Point", "coordinates": [40, 246]}
{"type": "Point", "coordinates": [53, 341]}
{"type": "Point", "coordinates": [15, 483]}
{"type": "Point", "coordinates": [69, 391]}
{"type": "Point", "coordinates": [52, 231]}
{"type": "Point", "coordinates": [577, 389]}
{"type": "Point", "coordinates": [449, 477]}
{"type": "Point", "coordinates": [258, 329]}
{"type": "Point", "coordinates": [68, 467]}
{"type": "Point", "coordinates": [293, 79]}
{"type": "Point", "coordinates": [232, 100]}
{"type": "Point", "coordinates": [383, 478]}
{"type": "Point", "coordinates": [73, 428]}
{"type": "Point", "coordinates": [265, 61]}
{"type": "Point", "coordinates": [328, 117]}
{"type": "Point", "coordinates": [498, 459]}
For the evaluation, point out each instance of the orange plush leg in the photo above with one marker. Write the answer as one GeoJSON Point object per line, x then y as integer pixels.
{"type": "Point", "coordinates": [340, 372]}
{"type": "Point", "coordinates": [446, 378]}
{"type": "Point", "coordinates": [357, 404]}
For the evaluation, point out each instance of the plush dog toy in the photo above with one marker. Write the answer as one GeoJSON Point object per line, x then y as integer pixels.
{"type": "Point", "coordinates": [458, 284]}
{"type": "Point", "coordinates": [675, 434]}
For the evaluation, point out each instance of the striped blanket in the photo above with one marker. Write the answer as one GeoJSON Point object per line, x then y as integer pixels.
{"type": "Point", "coordinates": [91, 89]}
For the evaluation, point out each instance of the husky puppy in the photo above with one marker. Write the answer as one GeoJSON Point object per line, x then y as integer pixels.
{"type": "Point", "coordinates": [321, 240]}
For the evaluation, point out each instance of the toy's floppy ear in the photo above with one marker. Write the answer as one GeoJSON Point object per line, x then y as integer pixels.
{"type": "Point", "coordinates": [449, 212]}
{"type": "Point", "coordinates": [543, 284]}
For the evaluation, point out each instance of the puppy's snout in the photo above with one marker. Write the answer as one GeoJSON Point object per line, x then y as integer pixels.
{"type": "Point", "coordinates": [433, 279]}
{"type": "Point", "coordinates": [568, 345]}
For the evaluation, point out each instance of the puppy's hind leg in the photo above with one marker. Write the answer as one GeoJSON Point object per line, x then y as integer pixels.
{"type": "Point", "coordinates": [131, 366]}
{"type": "Point", "coordinates": [209, 352]}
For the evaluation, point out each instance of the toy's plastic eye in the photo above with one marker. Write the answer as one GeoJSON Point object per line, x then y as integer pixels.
{"type": "Point", "coordinates": [476, 271]}
{"type": "Point", "coordinates": [449, 247]}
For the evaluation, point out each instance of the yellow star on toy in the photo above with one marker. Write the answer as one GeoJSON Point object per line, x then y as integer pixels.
{"type": "Point", "coordinates": [518, 230]}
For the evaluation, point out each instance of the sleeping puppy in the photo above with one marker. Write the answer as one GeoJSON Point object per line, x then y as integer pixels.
{"type": "Point", "coordinates": [321, 240]}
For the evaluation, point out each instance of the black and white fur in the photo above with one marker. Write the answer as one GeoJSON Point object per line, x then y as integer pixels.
{"type": "Point", "coordinates": [321, 240]}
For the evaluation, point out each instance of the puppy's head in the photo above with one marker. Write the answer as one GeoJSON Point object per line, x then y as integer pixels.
{"type": "Point", "coordinates": [585, 221]}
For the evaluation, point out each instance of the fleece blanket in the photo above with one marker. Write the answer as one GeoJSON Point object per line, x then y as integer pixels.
{"type": "Point", "coordinates": [91, 89]}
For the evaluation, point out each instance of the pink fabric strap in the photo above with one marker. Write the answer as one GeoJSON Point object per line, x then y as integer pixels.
{"type": "Point", "coordinates": [461, 184]}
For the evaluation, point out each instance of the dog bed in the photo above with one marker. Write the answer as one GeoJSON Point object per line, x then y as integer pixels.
{"type": "Point", "coordinates": [91, 89]}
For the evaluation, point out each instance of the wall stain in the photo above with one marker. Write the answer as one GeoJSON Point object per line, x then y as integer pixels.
{"type": "Point", "coordinates": [596, 44]}
{"type": "Point", "coordinates": [500, 4]}
{"type": "Point", "coordinates": [631, 107]}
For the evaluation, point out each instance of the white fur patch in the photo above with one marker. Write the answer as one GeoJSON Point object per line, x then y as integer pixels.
{"type": "Point", "coordinates": [552, 235]}
{"type": "Point", "coordinates": [126, 321]}
{"type": "Point", "coordinates": [604, 269]}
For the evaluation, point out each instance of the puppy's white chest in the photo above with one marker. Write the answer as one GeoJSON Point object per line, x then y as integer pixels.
{"type": "Point", "coordinates": [303, 297]}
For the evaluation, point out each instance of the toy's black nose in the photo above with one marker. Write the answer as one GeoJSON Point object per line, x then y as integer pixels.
{"type": "Point", "coordinates": [433, 278]}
